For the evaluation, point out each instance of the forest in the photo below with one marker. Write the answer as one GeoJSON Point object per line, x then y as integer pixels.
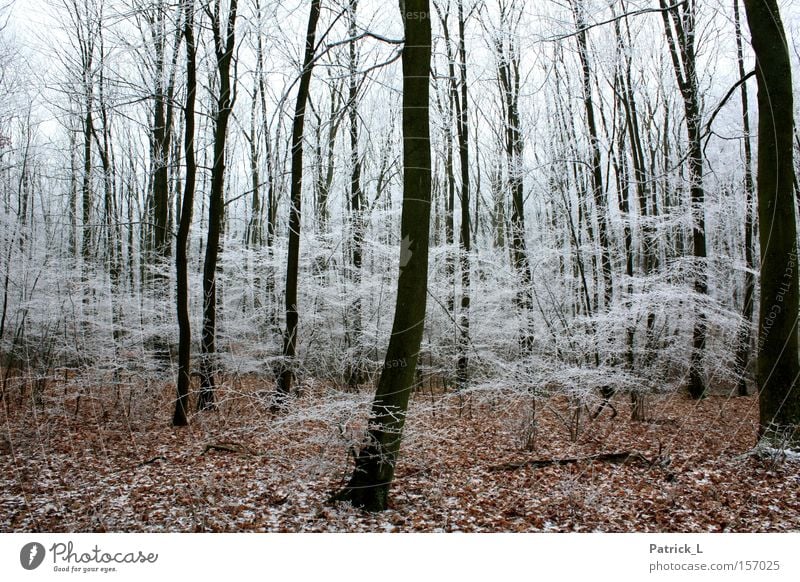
{"type": "Point", "coordinates": [415, 266]}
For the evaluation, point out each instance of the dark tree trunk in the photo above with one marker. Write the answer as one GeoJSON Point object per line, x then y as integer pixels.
{"type": "Point", "coordinates": [598, 193]}
{"type": "Point", "coordinates": [508, 74]}
{"type": "Point", "coordinates": [73, 195]}
{"type": "Point", "coordinates": [458, 109]}
{"type": "Point", "coordinates": [113, 246]}
{"type": "Point", "coordinates": [185, 221]}
{"type": "Point", "coordinates": [223, 49]}
{"type": "Point", "coordinates": [253, 234]}
{"type": "Point", "coordinates": [156, 231]}
{"type": "Point", "coordinates": [86, 189]}
{"type": "Point", "coordinates": [646, 210]}
{"type": "Point", "coordinates": [465, 241]}
{"type": "Point", "coordinates": [375, 463]}
{"type": "Point", "coordinates": [679, 26]}
{"type": "Point", "coordinates": [778, 367]}
{"type": "Point", "coordinates": [285, 376]}
{"type": "Point", "coordinates": [271, 199]}
{"type": "Point", "coordinates": [449, 192]}
{"type": "Point", "coordinates": [355, 374]}
{"type": "Point", "coordinates": [326, 164]}
{"type": "Point", "coordinates": [162, 138]}
{"type": "Point", "coordinates": [744, 339]}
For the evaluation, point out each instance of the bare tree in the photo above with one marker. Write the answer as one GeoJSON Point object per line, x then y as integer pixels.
{"type": "Point", "coordinates": [507, 55]}
{"type": "Point", "coordinates": [185, 221]}
{"type": "Point", "coordinates": [459, 110]}
{"type": "Point", "coordinates": [375, 463]}
{"type": "Point", "coordinates": [163, 64]}
{"type": "Point", "coordinates": [285, 375]}
{"type": "Point", "coordinates": [224, 42]}
{"type": "Point", "coordinates": [778, 366]}
{"type": "Point", "coordinates": [681, 29]}
{"type": "Point", "coordinates": [357, 202]}
{"type": "Point", "coordinates": [745, 331]}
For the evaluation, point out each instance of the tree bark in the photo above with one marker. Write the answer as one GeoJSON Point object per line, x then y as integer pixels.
{"type": "Point", "coordinates": [375, 463]}
{"type": "Point", "coordinates": [679, 26]}
{"type": "Point", "coordinates": [465, 241]}
{"type": "Point", "coordinates": [163, 111]}
{"type": "Point", "coordinates": [355, 373]}
{"type": "Point", "coordinates": [185, 221]}
{"type": "Point", "coordinates": [509, 83]}
{"type": "Point", "coordinates": [598, 193]}
{"type": "Point", "coordinates": [745, 333]}
{"type": "Point", "coordinates": [778, 366]}
{"type": "Point", "coordinates": [216, 208]}
{"type": "Point", "coordinates": [285, 376]}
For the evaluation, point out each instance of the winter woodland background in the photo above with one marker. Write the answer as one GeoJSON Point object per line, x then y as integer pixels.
{"type": "Point", "coordinates": [575, 251]}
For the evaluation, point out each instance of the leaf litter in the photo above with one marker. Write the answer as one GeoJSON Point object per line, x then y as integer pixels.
{"type": "Point", "coordinates": [464, 466]}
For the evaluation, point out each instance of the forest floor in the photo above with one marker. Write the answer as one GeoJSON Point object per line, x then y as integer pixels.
{"type": "Point", "coordinates": [92, 460]}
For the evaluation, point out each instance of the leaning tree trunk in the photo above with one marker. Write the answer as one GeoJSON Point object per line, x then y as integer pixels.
{"type": "Point", "coordinates": [285, 375]}
{"type": "Point", "coordinates": [778, 366]}
{"type": "Point", "coordinates": [185, 221]}
{"type": "Point", "coordinates": [375, 463]}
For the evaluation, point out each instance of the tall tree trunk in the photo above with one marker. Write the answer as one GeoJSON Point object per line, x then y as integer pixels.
{"type": "Point", "coordinates": [113, 247]}
{"type": "Point", "coordinates": [286, 372]}
{"type": "Point", "coordinates": [223, 49]}
{"type": "Point", "coordinates": [465, 242]}
{"type": "Point", "coordinates": [375, 463]}
{"type": "Point", "coordinates": [598, 193]}
{"type": "Point", "coordinates": [326, 162]}
{"type": "Point", "coordinates": [680, 29]}
{"type": "Point", "coordinates": [271, 198]}
{"type": "Point", "coordinates": [157, 229]}
{"type": "Point", "coordinates": [646, 210]}
{"type": "Point", "coordinates": [185, 221]}
{"type": "Point", "coordinates": [73, 195]}
{"type": "Point", "coordinates": [457, 113]}
{"type": "Point", "coordinates": [86, 188]}
{"type": "Point", "coordinates": [355, 374]}
{"type": "Point", "coordinates": [508, 74]}
{"type": "Point", "coordinates": [162, 138]}
{"type": "Point", "coordinates": [744, 339]}
{"type": "Point", "coordinates": [253, 234]}
{"type": "Point", "coordinates": [446, 108]}
{"type": "Point", "coordinates": [778, 367]}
